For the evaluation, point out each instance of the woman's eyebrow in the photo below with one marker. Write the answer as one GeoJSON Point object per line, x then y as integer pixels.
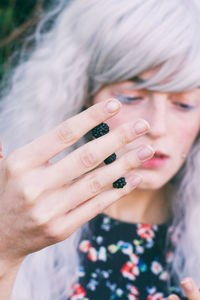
{"type": "Point", "coordinates": [137, 79]}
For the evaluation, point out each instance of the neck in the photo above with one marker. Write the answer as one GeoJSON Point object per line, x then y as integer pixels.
{"type": "Point", "coordinates": [142, 206]}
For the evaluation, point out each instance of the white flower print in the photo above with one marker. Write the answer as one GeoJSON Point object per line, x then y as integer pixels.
{"type": "Point", "coordinates": [156, 267]}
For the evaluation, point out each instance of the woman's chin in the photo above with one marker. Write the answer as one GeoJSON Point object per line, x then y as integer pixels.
{"type": "Point", "coordinates": [152, 182]}
{"type": "Point", "coordinates": [149, 186]}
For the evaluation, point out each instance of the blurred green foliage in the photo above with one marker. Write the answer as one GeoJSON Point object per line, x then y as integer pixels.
{"type": "Point", "coordinates": [17, 17]}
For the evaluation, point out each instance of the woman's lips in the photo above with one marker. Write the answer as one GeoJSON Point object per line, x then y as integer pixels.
{"type": "Point", "coordinates": [158, 160]}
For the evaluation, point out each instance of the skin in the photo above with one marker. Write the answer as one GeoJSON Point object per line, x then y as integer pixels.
{"type": "Point", "coordinates": [173, 130]}
{"type": "Point", "coordinates": [190, 288]}
{"type": "Point", "coordinates": [41, 200]}
{"type": "Point", "coordinates": [44, 203]}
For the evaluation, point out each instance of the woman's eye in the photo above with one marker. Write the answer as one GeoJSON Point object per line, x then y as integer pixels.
{"type": "Point", "coordinates": [127, 99]}
{"type": "Point", "coordinates": [184, 106]}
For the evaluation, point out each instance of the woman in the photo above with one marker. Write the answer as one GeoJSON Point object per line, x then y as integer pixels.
{"type": "Point", "coordinates": [146, 55]}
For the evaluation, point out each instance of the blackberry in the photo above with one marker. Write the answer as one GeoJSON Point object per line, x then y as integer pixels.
{"type": "Point", "coordinates": [110, 159]}
{"type": "Point", "coordinates": [100, 130]}
{"type": "Point", "coordinates": [119, 183]}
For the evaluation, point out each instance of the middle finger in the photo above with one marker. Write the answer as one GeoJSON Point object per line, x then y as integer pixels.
{"type": "Point", "coordinates": [85, 158]}
{"type": "Point", "coordinates": [68, 197]}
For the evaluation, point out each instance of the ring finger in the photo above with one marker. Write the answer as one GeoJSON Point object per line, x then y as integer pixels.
{"type": "Point", "coordinates": [68, 197]}
{"type": "Point", "coordinates": [62, 227]}
{"type": "Point", "coordinates": [82, 160]}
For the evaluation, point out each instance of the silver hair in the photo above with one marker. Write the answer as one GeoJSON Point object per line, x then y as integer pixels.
{"type": "Point", "coordinates": [93, 43]}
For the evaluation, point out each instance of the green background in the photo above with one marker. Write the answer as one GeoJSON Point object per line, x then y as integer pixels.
{"type": "Point", "coordinates": [17, 20]}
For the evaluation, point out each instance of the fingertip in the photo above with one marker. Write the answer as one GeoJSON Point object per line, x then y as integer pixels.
{"type": "Point", "coordinates": [186, 279]}
{"type": "Point", "coordinates": [190, 288]}
{"type": "Point", "coordinates": [146, 122]}
{"type": "Point", "coordinates": [187, 284]}
{"type": "Point", "coordinates": [112, 105]}
{"type": "Point", "coordinates": [173, 297]}
{"type": "Point", "coordinates": [135, 180]}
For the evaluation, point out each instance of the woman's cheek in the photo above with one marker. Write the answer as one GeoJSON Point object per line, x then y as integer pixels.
{"type": "Point", "coordinates": [117, 120]}
{"type": "Point", "coordinates": [187, 138]}
{"type": "Point", "coordinates": [183, 144]}
{"type": "Point", "coordinates": [127, 114]}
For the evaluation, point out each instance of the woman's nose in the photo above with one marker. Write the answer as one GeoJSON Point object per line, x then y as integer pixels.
{"type": "Point", "coordinates": [157, 118]}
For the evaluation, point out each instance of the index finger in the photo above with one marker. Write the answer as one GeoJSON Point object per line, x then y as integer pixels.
{"type": "Point", "coordinates": [65, 134]}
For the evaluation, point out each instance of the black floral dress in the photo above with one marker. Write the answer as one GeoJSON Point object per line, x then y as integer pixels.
{"type": "Point", "coordinates": [121, 260]}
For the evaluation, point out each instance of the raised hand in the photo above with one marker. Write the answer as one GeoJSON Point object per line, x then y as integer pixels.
{"type": "Point", "coordinates": [43, 203]}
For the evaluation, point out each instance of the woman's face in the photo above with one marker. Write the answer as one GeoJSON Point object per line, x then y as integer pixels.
{"type": "Point", "coordinates": [174, 120]}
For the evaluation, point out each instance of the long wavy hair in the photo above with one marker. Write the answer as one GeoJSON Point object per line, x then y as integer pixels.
{"type": "Point", "coordinates": [80, 46]}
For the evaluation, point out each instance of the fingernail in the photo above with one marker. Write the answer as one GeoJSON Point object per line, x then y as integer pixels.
{"type": "Point", "coordinates": [135, 180]}
{"type": "Point", "coordinates": [112, 106]}
{"type": "Point", "coordinates": [145, 152]}
{"type": "Point", "coordinates": [141, 127]}
{"type": "Point", "coordinates": [187, 285]}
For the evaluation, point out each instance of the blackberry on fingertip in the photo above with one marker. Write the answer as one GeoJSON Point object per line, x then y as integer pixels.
{"type": "Point", "coordinates": [110, 159]}
{"type": "Point", "coordinates": [100, 130]}
{"type": "Point", "coordinates": [119, 183]}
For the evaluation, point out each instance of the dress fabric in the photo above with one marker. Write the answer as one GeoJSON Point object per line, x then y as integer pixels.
{"type": "Point", "coordinates": [121, 260]}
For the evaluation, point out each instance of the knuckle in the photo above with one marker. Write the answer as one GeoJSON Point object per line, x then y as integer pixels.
{"type": "Point", "coordinates": [29, 193]}
{"type": "Point", "coordinates": [34, 219]}
{"type": "Point", "coordinates": [65, 134]}
{"type": "Point", "coordinates": [99, 206]}
{"type": "Point", "coordinates": [13, 167]}
{"type": "Point", "coordinates": [38, 219]}
{"type": "Point", "coordinates": [52, 233]}
{"type": "Point", "coordinates": [29, 188]}
{"type": "Point", "coordinates": [95, 184]}
{"type": "Point", "coordinates": [87, 158]}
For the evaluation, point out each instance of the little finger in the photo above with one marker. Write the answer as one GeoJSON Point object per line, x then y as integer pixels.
{"type": "Point", "coordinates": [67, 198]}
{"type": "Point", "coordinates": [65, 225]}
{"type": "Point", "coordinates": [95, 182]}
